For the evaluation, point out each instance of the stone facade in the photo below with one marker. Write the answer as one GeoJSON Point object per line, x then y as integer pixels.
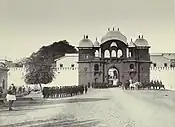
{"type": "Point", "coordinates": [3, 76]}
{"type": "Point", "coordinates": [131, 61]}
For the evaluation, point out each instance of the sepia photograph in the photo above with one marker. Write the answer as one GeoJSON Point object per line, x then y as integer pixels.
{"type": "Point", "coordinates": [87, 63]}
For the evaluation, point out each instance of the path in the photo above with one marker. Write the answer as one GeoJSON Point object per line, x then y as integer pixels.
{"type": "Point", "coordinates": [99, 108]}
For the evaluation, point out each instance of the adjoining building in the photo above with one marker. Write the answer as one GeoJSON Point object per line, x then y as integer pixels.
{"type": "Point", "coordinates": [3, 76]}
{"type": "Point", "coordinates": [163, 60]}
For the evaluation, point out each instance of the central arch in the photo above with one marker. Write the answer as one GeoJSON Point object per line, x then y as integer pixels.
{"type": "Point", "coordinates": [113, 76]}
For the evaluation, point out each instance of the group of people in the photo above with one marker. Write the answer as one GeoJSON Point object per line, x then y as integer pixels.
{"type": "Point", "coordinates": [63, 91]}
{"type": "Point", "coordinates": [129, 84]}
{"type": "Point", "coordinates": [155, 84]}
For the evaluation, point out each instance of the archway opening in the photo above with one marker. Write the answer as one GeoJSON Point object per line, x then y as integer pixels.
{"type": "Point", "coordinates": [119, 53]}
{"type": "Point", "coordinates": [113, 76]}
{"type": "Point", "coordinates": [96, 53]}
{"type": "Point", "coordinates": [113, 53]}
{"type": "Point", "coordinates": [106, 54]}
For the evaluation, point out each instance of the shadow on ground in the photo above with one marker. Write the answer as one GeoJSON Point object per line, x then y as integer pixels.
{"type": "Point", "coordinates": [24, 105]}
{"type": "Point", "coordinates": [59, 121]}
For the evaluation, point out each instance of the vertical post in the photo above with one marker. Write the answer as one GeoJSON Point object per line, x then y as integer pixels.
{"type": "Point", "coordinates": [103, 72]}
{"type": "Point", "coordinates": [138, 66]}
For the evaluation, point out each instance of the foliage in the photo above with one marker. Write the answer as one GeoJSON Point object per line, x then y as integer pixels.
{"type": "Point", "coordinates": [38, 66]}
{"type": "Point", "coordinates": [38, 70]}
{"type": "Point", "coordinates": [56, 50]}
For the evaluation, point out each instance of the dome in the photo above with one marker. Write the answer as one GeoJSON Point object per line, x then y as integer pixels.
{"type": "Point", "coordinates": [85, 43]}
{"type": "Point", "coordinates": [2, 65]}
{"type": "Point", "coordinates": [141, 42]}
{"type": "Point", "coordinates": [132, 44]}
{"type": "Point", "coordinates": [96, 43]}
{"type": "Point", "coordinates": [114, 35]}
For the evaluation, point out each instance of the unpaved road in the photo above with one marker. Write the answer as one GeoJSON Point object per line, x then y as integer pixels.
{"type": "Point", "coordinates": [99, 108]}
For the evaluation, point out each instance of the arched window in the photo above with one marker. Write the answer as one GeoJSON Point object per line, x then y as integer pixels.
{"type": "Point", "coordinates": [3, 84]}
{"type": "Point", "coordinates": [119, 53]}
{"type": "Point", "coordinates": [96, 67]}
{"type": "Point", "coordinates": [127, 52]}
{"type": "Point", "coordinates": [106, 54]}
{"type": "Point", "coordinates": [100, 52]}
{"type": "Point", "coordinates": [131, 66]}
{"type": "Point", "coordinates": [113, 44]}
{"type": "Point", "coordinates": [96, 53]}
{"type": "Point", "coordinates": [113, 53]}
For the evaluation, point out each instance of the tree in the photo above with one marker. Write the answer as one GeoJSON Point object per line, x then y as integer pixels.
{"type": "Point", "coordinates": [38, 70]}
{"type": "Point", "coordinates": [38, 66]}
{"type": "Point", "coordinates": [20, 62]}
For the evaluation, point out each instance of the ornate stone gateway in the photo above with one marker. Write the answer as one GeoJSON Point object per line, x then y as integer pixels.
{"type": "Point", "coordinates": [128, 60]}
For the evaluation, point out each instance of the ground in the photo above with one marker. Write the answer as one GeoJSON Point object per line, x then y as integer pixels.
{"type": "Point", "coordinates": [99, 108]}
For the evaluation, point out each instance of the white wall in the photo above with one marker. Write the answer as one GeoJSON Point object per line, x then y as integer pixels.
{"type": "Point", "coordinates": [69, 76]}
{"type": "Point", "coordinates": [65, 76]}
{"type": "Point", "coordinates": [16, 76]}
{"type": "Point", "coordinates": [166, 75]}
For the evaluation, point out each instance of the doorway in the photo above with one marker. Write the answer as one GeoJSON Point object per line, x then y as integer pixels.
{"type": "Point", "coordinates": [113, 76]}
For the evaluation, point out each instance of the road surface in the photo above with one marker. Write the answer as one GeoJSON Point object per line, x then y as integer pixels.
{"type": "Point", "coordinates": [99, 108]}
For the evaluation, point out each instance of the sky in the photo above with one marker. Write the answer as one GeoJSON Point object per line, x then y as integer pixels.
{"type": "Point", "coordinates": [27, 25]}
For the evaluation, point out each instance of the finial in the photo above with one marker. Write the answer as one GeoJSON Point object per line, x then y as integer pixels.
{"type": "Point", "coordinates": [96, 38]}
{"type": "Point", "coordinates": [108, 29]}
{"type": "Point", "coordinates": [113, 29]}
{"type": "Point", "coordinates": [118, 29]}
{"type": "Point", "coordinates": [131, 39]}
{"type": "Point", "coordinates": [142, 36]}
{"type": "Point", "coordinates": [139, 36]}
{"type": "Point", "coordinates": [86, 36]}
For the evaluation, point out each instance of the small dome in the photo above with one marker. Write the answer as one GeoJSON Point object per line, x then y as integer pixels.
{"type": "Point", "coordinates": [96, 43]}
{"type": "Point", "coordinates": [85, 43]}
{"type": "Point", "coordinates": [132, 44]}
{"type": "Point", "coordinates": [2, 65]}
{"type": "Point", "coordinates": [141, 41]}
{"type": "Point", "coordinates": [114, 35]}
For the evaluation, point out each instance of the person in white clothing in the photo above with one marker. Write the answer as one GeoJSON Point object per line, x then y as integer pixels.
{"type": "Point", "coordinates": [11, 95]}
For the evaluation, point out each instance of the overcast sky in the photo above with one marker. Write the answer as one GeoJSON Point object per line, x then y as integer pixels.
{"type": "Point", "coordinates": [26, 25]}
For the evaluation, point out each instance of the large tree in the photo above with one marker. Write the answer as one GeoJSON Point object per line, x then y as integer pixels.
{"type": "Point", "coordinates": [39, 69]}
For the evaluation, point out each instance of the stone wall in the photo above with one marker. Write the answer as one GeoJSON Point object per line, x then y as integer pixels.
{"type": "Point", "coordinates": [69, 76]}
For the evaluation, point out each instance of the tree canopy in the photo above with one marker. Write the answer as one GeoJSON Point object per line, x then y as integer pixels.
{"type": "Point", "coordinates": [39, 66]}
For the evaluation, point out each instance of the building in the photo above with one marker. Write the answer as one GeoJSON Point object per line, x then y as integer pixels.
{"type": "Point", "coordinates": [129, 61]}
{"type": "Point", "coordinates": [163, 68]}
{"type": "Point", "coordinates": [111, 60]}
{"type": "Point", "coordinates": [3, 76]}
{"type": "Point", "coordinates": [66, 72]}
{"type": "Point", "coordinates": [163, 60]}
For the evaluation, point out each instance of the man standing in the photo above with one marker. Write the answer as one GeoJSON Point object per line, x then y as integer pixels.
{"type": "Point", "coordinates": [11, 96]}
{"type": "Point", "coordinates": [86, 88]}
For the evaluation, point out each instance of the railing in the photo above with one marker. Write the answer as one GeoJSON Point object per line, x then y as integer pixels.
{"type": "Point", "coordinates": [162, 68]}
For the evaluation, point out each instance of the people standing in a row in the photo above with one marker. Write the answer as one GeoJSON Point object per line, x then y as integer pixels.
{"type": "Point", "coordinates": [64, 91]}
{"type": "Point", "coordinates": [156, 84]}
{"type": "Point", "coordinates": [11, 95]}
